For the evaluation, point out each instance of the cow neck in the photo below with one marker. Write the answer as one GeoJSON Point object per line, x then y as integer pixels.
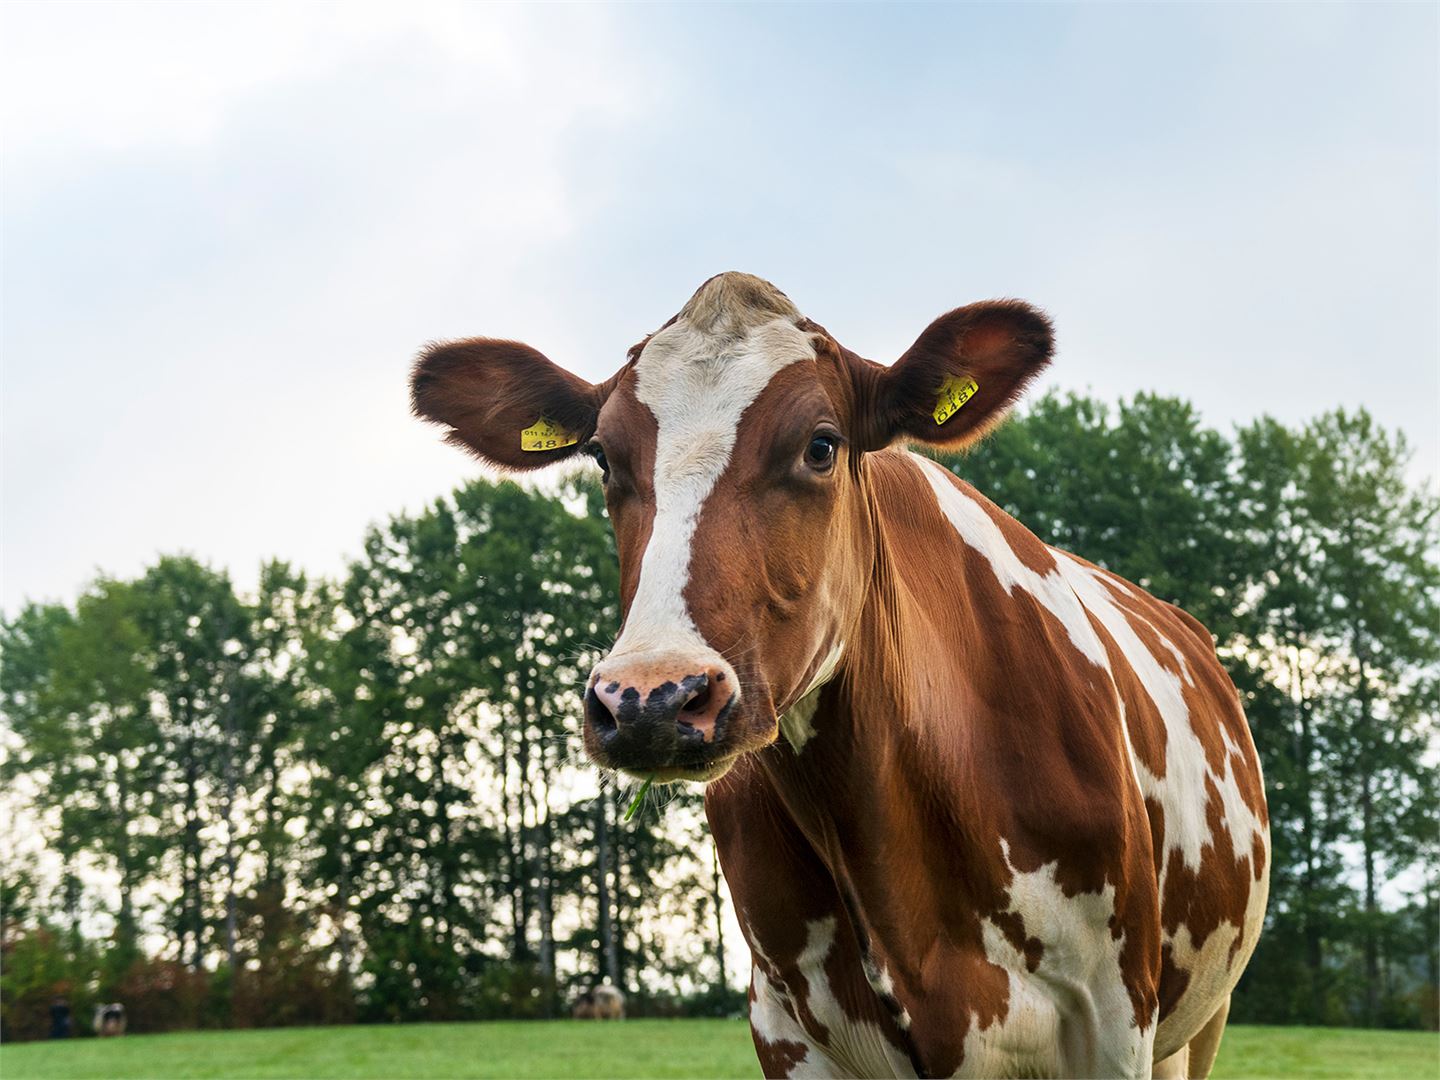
{"type": "Point", "coordinates": [881, 790]}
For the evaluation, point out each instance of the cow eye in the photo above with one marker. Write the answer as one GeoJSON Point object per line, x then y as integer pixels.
{"type": "Point", "coordinates": [595, 451]}
{"type": "Point", "coordinates": [820, 454]}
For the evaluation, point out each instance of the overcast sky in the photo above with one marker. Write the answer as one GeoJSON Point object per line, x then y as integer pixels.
{"type": "Point", "coordinates": [226, 230]}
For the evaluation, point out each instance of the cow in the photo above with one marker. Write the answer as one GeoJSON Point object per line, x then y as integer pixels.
{"type": "Point", "coordinates": [985, 808]}
{"type": "Point", "coordinates": [110, 1019]}
{"type": "Point", "coordinates": [602, 1002]}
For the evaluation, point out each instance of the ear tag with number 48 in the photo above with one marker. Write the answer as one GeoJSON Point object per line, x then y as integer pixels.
{"type": "Point", "coordinates": [954, 392]}
{"type": "Point", "coordinates": [546, 435]}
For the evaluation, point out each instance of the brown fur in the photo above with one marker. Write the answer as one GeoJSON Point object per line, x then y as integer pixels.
{"type": "Point", "coordinates": [602, 1002]}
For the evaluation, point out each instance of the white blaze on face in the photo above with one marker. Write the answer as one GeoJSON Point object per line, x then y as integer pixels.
{"type": "Point", "coordinates": [698, 385]}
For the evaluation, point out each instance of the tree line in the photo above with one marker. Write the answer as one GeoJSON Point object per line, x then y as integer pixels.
{"type": "Point", "coordinates": [363, 798]}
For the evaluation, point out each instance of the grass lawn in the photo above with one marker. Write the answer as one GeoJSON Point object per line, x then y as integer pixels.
{"type": "Point", "coordinates": [635, 1048]}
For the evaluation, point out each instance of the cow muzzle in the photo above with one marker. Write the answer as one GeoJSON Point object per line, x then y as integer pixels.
{"type": "Point", "coordinates": [661, 715]}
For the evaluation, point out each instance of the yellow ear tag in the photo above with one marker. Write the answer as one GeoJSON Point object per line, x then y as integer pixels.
{"type": "Point", "coordinates": [546, 435]}
{"type": "Point", "coordinates": [954, 392]}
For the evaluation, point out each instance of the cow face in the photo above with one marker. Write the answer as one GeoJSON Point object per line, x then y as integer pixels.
{"type": "Point", "coordinates": [732, 447]}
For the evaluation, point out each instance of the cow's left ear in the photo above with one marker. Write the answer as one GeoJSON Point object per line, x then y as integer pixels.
{"type": "Point", "coordinates": [505, 402]}
{"type": "Point", "coordinates": [961, 376]}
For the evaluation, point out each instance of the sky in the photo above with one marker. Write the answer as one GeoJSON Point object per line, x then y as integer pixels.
{"type": "Point", "coordinates": [225, 231]}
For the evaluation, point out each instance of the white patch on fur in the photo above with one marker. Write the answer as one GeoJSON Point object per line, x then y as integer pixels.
{"type": "Point", "coordinates": [1072, 1015]}
{"type": "Point", "coordinates": [1053, 590]}
{"type": "Point", "coordinates": [772, 1021]}
{"type": "Point", "coordinates": [854, 1047]}
{"type": "Point", "coordinates": [1182, 794]}
{"type": "Point", "coordinates": [697, 386]}
{"type": "Point", "coordinates": [797, 722]}
{"type": "Point", "coordinates": [979, 530]}
{"type": "Point", "coordinates": [883, 985]}
{"type": "Point", "coordinates": [1069, 593]}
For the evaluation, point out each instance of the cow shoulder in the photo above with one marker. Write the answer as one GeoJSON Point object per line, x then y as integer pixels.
{"type": "Point", "coordinates": [813, 1011]}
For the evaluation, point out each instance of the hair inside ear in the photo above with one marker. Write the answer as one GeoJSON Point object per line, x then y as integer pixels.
{"type": "Point", "coordinates": [964, 373]}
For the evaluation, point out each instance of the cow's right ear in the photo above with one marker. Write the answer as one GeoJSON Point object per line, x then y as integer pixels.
{"type": "Point", "coordinates": [504, 401]}
{"type": "Point", "coordinates": [959, 378]}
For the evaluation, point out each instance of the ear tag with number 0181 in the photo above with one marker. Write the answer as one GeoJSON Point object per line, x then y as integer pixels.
{"type": "Point", "coordinates": [954, 392]}
{"type": "Point", "coordinates": [546, 435]}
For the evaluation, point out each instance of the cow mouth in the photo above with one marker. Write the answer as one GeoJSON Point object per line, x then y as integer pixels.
{"type": "Point", "coordinates": [692, 774]}
{"type": "Point", "coordinates": [699, 766]}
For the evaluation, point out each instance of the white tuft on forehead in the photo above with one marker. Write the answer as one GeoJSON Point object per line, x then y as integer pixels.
{"type": "Point", "coordinates": [698, 376]}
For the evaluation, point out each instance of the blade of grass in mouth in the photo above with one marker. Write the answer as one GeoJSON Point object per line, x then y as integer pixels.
{"type": "Point", "coordinates": [639, 795]}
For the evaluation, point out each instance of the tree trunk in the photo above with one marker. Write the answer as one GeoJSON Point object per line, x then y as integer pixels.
{"type": "Point", "coordinates": [231, 859]}
{"type": "Point", "coordinates": [1305, 759]}
{"type": "Point", "coordinates": [607, 961]}
{"type": "Point", "coordinates": [512, 848]}
{"type": "Point", "coordinates": [547, 895]}
{"type": "Point", "coordinates": [342, 902]}
{"type": "Point", "coordinates": [1366, 765]}
{"type": "Point", "coordinates": [1372, 952]}
{"type": "Point", "coordinates": [524, 896]}
{"type": "Point", "coordinates": [274, 890]}
{"type": "Point", "coordinates": [72, 891]}
{"type": "Point", "coordinates": [192, 919]}
{"type": "Point", "coordinates": [717, 901]}
{"type": "Point", "coordinates": [440, 851]}
{"type": "Point", "coordinates": [272, 784]}
{"type": "Point", "coordinates": [125, 927]}
{"type": "Point", "coordinates": [620, 963]}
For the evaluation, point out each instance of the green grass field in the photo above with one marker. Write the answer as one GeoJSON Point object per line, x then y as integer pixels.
{"type": "Point", "coordinates": [634, 1048]}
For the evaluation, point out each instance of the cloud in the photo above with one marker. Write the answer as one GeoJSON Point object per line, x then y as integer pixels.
{"type": "Point", "coordinates": [209, 319]}
{"type": "Point", "coordinates": [227, 228]}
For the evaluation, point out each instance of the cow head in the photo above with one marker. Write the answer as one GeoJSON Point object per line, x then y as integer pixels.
{"type": "Point", "coordinates": [733, 449]}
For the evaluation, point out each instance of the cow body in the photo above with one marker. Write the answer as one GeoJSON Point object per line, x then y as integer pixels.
{"type": "Point", "coordinates": [1064, 867]}
{"type": "Point", "coordinates": [602, 1002]}
{"type": "Point", "coordinates": [985, 809]}
{"type": "Point", "coordinates": [110, 1019]}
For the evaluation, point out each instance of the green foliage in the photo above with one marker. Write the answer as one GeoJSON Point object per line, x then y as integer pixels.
{"type": "Point", "coordinates": [39, 967]}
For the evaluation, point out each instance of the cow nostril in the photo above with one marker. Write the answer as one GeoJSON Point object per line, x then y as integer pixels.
{"type": "Point", "coordinates": [598, 714]}
{"type": "Point", "coordinates": [699, 702]}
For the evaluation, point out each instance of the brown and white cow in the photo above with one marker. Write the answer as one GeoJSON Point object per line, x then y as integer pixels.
{"type": "Point", "coordinates": [985, 808]}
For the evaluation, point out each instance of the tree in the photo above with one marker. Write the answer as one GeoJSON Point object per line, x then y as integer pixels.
{"type": "Point", "coordinates": [76, 691]}
{"type": "Point", "coordinates": [195, 628]}
{"type": "Point", "coordinates": [1378, 586]}
{"type": "Point", "coordinates": [1282, 675]}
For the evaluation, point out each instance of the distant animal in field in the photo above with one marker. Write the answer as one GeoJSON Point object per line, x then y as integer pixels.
{"type": "Point", "coordinates": [600, 1003]}
{"type": "Point", "coordinates": [110, 1019]}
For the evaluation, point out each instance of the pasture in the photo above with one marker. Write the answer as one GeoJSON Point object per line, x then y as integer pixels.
{"type": "Point", "coordinates": [634, 1048]}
